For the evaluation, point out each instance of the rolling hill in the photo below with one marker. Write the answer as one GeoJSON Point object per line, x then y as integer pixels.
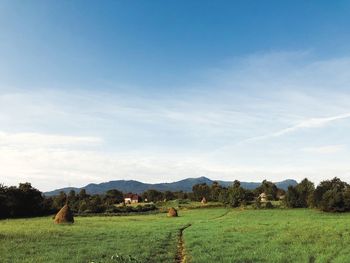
{"type": "Point", "coordinates": [185, 185]}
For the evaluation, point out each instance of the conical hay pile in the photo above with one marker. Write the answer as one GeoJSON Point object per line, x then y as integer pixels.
{"type": "Point", "coordinates": [65, 215]}
{"type": "Point", "coordinates": [172, 212]}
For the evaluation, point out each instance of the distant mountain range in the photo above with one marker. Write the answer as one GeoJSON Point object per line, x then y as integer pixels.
{"type": "Point", "coordinates": [185, 185]}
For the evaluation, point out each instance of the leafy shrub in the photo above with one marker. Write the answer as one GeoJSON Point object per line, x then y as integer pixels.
{"type": "Point", "coordinates": [257, 204]}
{"type": "Point", "coordinates": [131, 209]}
{"type": "Point", "coordinates": [184, 201]}
{"type": "Point", "coordinates": [332, 196]}
{"type": "Point", "coordinates": [300, 195]}
{"type": "Point", "coordinates": [269, 205]}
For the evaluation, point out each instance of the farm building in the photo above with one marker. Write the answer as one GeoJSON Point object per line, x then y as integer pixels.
{"type": "Point", "coordinates": [132, 198]}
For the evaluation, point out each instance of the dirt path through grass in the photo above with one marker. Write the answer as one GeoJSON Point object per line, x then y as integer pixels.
{"type": "Point", "coordinates": [220, 216]}
{"type": "Point", "coordinates": [181, 255]}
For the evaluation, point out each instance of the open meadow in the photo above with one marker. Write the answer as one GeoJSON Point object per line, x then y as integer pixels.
{"type": "Point", "coordinates": [214, 235]}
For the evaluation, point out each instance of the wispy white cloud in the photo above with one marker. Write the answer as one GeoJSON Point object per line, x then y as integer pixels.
{"type": "Point", "coordinates": [310, 123]}
{"type": "Point", "coordinates": [328, 149]}
{"type": "Point", "coordinates": [40, 140]}
{"type": "Point", "coordinates": [52, 137]}
{"type": "Point", "coordinates": [54, 168]}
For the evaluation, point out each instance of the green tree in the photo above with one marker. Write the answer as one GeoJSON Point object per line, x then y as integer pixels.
{"type": "Point", "coordinates": [201, 190]}
{"type": "Point", "coordinates": [305, 190]}
{"type": "Point", "coordinates": [153, 195]}
{"type": "Point", "coordinates": [73, 200]}
{"type": "Point", "coordinates": [113, 196]}
{"type": "Point", "coordinates": [23, 200]}
{"type": "Point", "coordinates": [71, 195]}
{"type": "Point", "coordinates": [168, 195]}
{"type": "Point", "coordinates": [4, 210]}
{"type": "Point", "coordinates": [82, 194]}
{"type": "Point", "coordinates": [332, 196]}
{"type": "Point", "coordinates": [180, 195]}
{"type": "Point", "coordinates": [223, 196]}
{"type": "Point", "coordinates": [95, 204]}
{"type": "Point", "coordinates": [236, 194]}
{"type": "Point", "coordinates": [269, 188]}
{"type": "Point", "coordinates": [59, 200]}
{"type": "Point", "coordinates": [215, 191]}
{"type": "Point", "coordinates": [300, 195]}
{"type": "Point", "coordinates": [292, 197]}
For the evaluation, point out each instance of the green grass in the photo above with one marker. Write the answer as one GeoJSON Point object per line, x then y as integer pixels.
{"type": "Point", "coordinates": [297, 235]}
{"type": "Point", "coordinates": [149, 238]}
{"type": "Point", "coordinates": [216, 235]}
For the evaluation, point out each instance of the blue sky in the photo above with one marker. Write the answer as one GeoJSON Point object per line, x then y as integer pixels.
{"type": "Point", "coordinates": [162, 90]}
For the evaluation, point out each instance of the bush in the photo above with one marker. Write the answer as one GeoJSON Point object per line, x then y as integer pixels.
{"type": "Point", "coordinates": [183, 201]}
{"type": "Point", "coordinates": [332, 196]}
{"type": "Point", "coordinates": [269, 205]}
{"type": "Point", "coordinates": [257, 204]}
{"type": "Point", "coordinates": [21, 201]}
{"type": "Point", "coordinates": [300, 195]}
{"type": "Point", "coordinates": [130, 209]}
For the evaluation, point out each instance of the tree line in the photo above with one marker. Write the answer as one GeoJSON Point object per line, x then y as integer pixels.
{"type": "Point", "coordinates": [329, 196]}
{"type": "Point", "coordinates": [21, 201]}
{"type": "Point", "coordinates": [26, 201]}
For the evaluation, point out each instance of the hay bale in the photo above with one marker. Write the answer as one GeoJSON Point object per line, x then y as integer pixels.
{"type": "Point", "coordinates": [204, 201]}
{"type": "Point", "coordinates": [65, 215]}
{"type": "Point", "coordinates": [172, 212]}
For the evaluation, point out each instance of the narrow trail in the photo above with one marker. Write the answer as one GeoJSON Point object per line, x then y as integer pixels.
{"type": "Point", "coordinates": [180, 254]}
{"type": "Point", "coordinates": [220, 216]}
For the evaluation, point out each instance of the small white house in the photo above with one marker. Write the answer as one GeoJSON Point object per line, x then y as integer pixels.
{"type": "Point", "coordinates": [132, 198]}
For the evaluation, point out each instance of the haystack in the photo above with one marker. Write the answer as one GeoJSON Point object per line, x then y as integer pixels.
{"type": "Point", "coordinates": [204, 201]}
{"type": "Point", "coordinates": [172, 212]}
{"type": "Point", "coordinates": [65, 215]}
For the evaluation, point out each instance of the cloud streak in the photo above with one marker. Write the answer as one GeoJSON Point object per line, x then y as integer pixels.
{"type": "Point", "coordinates": [40, 140]}
{"type": "Point", "coordinates": [53, 137]}
{"type": "Point", "coordinates": [310, 123]}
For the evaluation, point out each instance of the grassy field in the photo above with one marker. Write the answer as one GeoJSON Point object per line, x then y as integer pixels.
{"type": "Point", "coordinates": [271, 236]}
{"type": "Point", "coordinates": [215, 235]}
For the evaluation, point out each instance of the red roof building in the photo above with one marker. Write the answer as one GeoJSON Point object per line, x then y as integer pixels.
{"type": "Point", "coordinates": [132, 198]}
